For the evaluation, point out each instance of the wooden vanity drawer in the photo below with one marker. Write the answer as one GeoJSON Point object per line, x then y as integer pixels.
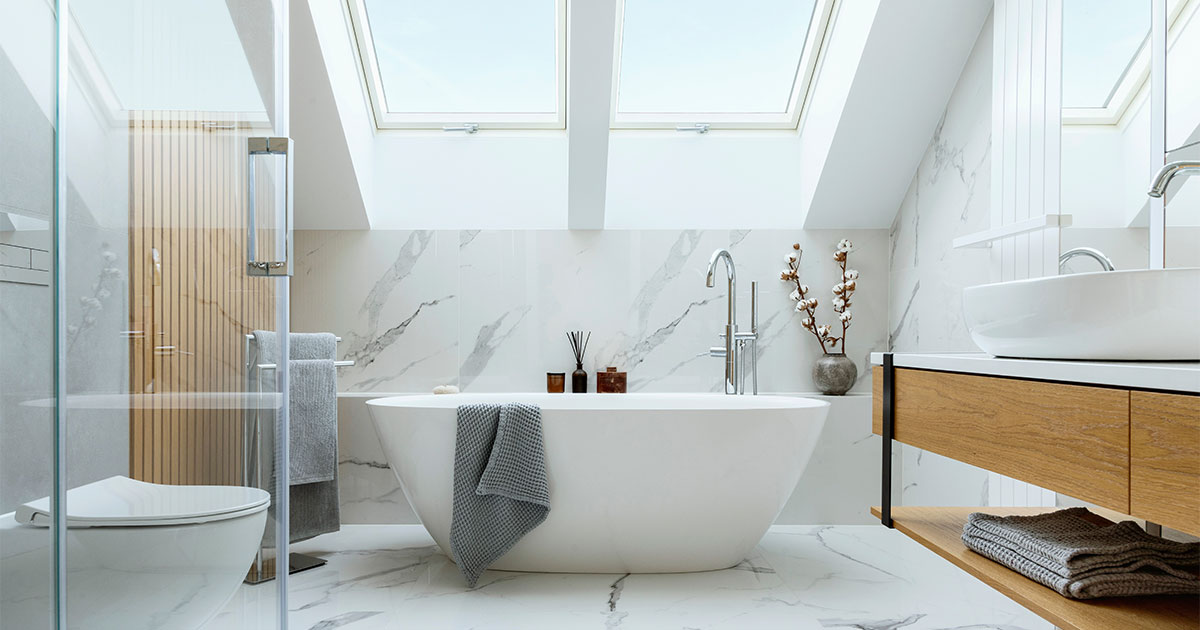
{"type": "Point", "coordinates": [1164, 473]}
{"type": "Point", "coordinates": [1067, 438]}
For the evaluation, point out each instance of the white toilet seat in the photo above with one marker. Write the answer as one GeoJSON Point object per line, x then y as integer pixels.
{"type": "Point", "coordinates": [123, 502]}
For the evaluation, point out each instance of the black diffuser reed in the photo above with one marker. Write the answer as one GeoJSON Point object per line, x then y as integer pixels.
{"type": "Point", "coordinates": [579, 344]}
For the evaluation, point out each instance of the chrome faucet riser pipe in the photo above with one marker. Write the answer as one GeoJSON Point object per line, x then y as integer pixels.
{"type": "Point", "coordinates": [1158, 187]}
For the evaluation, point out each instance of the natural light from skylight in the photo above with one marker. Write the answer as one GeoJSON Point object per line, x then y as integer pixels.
{"type": "Point", "coordinates": [479, 61]}
{"type": "Point", "coordinates": [727, 64]}
{"type": "Point", "coordinates": [1100, 40]}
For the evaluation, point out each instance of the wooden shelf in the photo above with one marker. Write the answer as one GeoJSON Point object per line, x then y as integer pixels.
{"type": "Point", "coordinates": [940, 529]}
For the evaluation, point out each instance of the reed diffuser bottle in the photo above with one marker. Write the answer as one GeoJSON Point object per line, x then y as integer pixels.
{"type": "Point", "coordinates": [579, 343]}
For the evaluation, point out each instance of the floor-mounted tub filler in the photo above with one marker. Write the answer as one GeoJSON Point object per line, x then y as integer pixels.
{"type": "Point", "coordinates": [639, 483]}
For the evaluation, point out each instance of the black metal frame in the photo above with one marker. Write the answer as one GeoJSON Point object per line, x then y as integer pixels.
{"type": "Point", "coordinates": [889, 423]}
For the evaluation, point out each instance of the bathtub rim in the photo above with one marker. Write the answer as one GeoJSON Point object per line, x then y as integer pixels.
{"type": "Point", "coordinates": [640, 402]}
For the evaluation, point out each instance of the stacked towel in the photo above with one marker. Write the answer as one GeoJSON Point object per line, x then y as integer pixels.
{"type": "Point", "coordinates": [500, 487]}
{"type": "Point", "coordinates": [1072, 553]}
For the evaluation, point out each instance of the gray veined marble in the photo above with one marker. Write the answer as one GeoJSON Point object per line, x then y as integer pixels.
{"type": "Point", "coordinates": [406, 259]}
{"type": "Point", "coordinates": [798, 577]}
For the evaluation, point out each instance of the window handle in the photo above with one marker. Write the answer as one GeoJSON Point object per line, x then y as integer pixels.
{"type": "Point", "coordinates": [698, 128]}
{"type": "Point", "coordinates": [467, 127]}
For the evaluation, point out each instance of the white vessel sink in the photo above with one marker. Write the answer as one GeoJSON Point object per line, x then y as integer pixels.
{"type": "Point", "coordinates": [1140, 315]}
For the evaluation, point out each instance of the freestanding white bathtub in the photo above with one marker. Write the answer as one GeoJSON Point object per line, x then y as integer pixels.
{"type": "Point", "coordinates": [639, 483]}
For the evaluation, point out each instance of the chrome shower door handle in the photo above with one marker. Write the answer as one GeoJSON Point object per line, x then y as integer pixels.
{"type": "Point", "coordinates": [269, 238]}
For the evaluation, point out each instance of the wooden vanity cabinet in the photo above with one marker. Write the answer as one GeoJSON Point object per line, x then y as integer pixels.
{"type": "Point", "coordinates": [1164, 459]}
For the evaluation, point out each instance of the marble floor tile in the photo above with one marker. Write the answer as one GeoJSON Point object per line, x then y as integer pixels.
{"type": "Point", "coordinates": [799, 577]}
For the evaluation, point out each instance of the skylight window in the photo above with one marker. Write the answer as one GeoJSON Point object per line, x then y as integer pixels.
{"type": "Point", "coordinates": [725, 64]}
{"type": "Point", "coordinates": [433, 63]}
{"type": "Point", "coordinates": [1100, 41]}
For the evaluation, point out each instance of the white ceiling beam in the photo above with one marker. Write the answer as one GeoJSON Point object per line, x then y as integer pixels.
{"type": "Point", "coordinates": [591, 26]}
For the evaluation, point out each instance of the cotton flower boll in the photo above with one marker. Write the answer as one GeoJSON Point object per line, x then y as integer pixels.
{"type": "Point", "coordinates": [839, 288]}
{"type": "Point", "coordinates": [785, 275]}
{"type": "Point", "coordinates": [823, 331]}
{"type": "Point", "coordinates": [852, 274]}
{"type": "Point", "coordinates": [812, 303]}
{"type": "Point", "coordinates": [794, 295]}
{"type": "Point", "coordinates": [806, 322]}
{"type": "Point", "coordinates": [796, 246]}
{"type": "Point", "coordinates": [850, 285]}
{"type": "Point", "coordinates": [800, 306]}
{"type": "Point", "coordinates": [839, 303]}
{"type": "Point", "coordinates": [803, 289]}
{"type": "Point", "coordinates": [845, 245]}
{"type": "Point", "coordinates": [847, 316]}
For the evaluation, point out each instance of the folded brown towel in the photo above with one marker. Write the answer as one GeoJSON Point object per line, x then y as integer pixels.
{"type": "Point", "coordinates": [1069, 552]}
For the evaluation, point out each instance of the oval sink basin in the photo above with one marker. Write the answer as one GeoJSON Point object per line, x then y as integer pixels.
{"type": "Point", "coordinates": [1138, 315]}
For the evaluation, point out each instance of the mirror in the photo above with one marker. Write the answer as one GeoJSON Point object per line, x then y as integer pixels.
{"type": "Point", "coordinates": [1183, 135]}
{"type": "Point", "coordinates": [1106, 107]}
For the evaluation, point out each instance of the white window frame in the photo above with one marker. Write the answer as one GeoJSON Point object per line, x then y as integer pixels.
{"type": "Point", "coordinates": [385, 119]}
{"type": "Point", "coordinates": [1132, 81]}
{"type": "Point", "coordinates": [818, 32]}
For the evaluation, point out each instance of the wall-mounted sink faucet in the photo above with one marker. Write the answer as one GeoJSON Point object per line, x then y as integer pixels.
{"type": "Point", "coordinates": [737, 344]}
{"type": "Point", "coordinates": [1158, 187]}
{"type": "Point", "coordinates": [1090, 252]}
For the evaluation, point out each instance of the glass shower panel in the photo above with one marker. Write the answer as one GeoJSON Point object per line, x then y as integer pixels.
{"type": "Point", "coordinates": [27, 100]}
{"type": "Point", "coordinates": [163, 102]}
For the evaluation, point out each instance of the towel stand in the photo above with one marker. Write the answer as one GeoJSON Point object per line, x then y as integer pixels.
{"type": "Point", "coordinates": [263, 569]}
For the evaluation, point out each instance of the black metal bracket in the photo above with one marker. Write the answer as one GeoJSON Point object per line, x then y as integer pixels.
{"type": "Point", "coordinates": [889, 419]}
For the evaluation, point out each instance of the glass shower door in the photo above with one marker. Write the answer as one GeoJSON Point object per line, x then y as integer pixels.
{"type": "Point", "coordinates": [169, 214]}
{"type": "Point", "coordinates": [27, 440]}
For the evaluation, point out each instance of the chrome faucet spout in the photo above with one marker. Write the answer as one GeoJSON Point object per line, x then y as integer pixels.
{"type": "Point", "coordinates": [731, 332]}
{"type": "Point", "coordinates": [1158, 187]}
{"type": "Point", "coordinates": [1089, 252]}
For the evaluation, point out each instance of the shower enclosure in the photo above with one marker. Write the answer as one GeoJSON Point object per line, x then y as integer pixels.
{"type": "Point", "coordinates": [145, 230]}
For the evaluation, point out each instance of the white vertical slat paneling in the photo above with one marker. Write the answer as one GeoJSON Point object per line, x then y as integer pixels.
{"type": "Point", "coordinates": [1158, 128]}
{"type": "Point", "coordinates": [1052, 163]}
{"type": "Point", "coordinates": [1026, 98]}
{"type": "Point", "coordinates": [1038, 135]}
{"type": "Point", "coordinates": [1000, 65]}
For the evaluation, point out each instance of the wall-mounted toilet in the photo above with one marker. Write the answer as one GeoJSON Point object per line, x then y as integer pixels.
{"type": "Point", "coordinates": [139, 555]}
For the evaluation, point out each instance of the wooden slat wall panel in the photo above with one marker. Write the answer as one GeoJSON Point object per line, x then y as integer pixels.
{"type": "Point", "coordinates": [187, 201]}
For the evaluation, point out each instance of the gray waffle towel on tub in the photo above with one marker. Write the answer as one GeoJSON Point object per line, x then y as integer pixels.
{"type": "Point", "coordinates": [500, 488]}
{"type": "Point", "coordinates": [1082, 559]}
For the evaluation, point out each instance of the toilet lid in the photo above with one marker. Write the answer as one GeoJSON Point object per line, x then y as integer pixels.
{"type": "Point", "coordinates": [124, 502]}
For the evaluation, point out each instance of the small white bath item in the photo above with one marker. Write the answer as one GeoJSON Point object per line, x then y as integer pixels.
{"type": "Point", "coordinates": [639, 483]}
{"type": "Point", "coordinates": [139, 555]}
{"type": "Point", "coordinates": [446, 389]}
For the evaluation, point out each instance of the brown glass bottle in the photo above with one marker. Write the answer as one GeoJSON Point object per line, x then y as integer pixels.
{"type": "Point", "coordinates": [579, 379]}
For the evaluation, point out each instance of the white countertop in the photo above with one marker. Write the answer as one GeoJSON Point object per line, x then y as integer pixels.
{"type": "Point", "coordinates": [1179, 376]}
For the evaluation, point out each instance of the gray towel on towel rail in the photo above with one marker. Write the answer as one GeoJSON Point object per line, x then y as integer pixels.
{"type": "Point", "coordinates": [314, 505]}
{"type": "Point", "coordinates": [1081, 559]}
{"type": "Point", "coordinates": [500, 487]}
{"type": "Point", "coordinates": [313, 403]}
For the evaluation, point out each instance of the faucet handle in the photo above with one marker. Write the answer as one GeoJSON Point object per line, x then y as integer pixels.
{"type": "Point", "coordinates": [717, 351]}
